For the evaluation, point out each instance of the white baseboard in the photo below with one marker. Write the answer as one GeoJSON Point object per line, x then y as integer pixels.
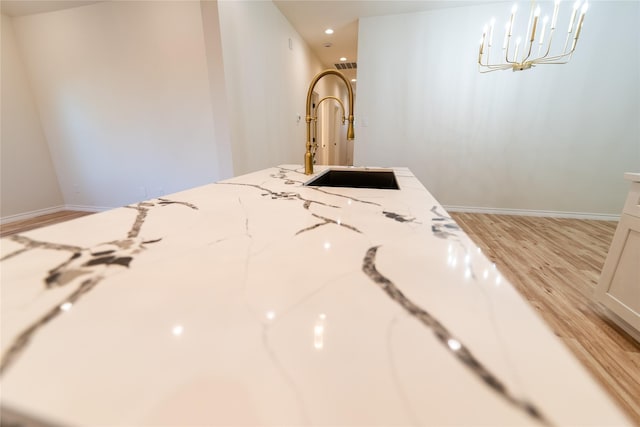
{"type": "Point", "coordinates": [31, 214]}
{"type": "Point", "coordinates": [622, 324]}
{"type": "Point", "coordinates": [85, 208]}
{"type": "Point", "coordinates": [38, 212]}
{"type": "Point", "coordinates": [524, 212]}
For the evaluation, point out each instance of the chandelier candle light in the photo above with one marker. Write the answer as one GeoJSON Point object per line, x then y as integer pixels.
{"type": "Point", "coordinates": [518, 56]}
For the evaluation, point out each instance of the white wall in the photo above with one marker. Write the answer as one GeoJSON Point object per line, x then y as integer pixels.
{"type": "Point", "coordinates": [217, 86]}
{"type": "Point", "coordinates": [267, 84]}
{"type": "Point", "coordinates": [136, 99]}
{"type": "Point", "coordinates": [125, 98]}
{"type": "Point", "coordinates": [28, 179]}
{"type": "Point", "coordinates": [554, 138]}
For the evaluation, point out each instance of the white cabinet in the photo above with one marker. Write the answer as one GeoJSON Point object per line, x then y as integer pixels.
{"type": "Point", "coordinates": [619, 286]}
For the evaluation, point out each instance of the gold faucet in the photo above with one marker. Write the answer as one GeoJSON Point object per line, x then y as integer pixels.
{"type": "Point", "coordinates": [308, 157]}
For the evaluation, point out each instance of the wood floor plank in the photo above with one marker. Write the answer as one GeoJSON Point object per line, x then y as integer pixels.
{"type": "Point", "coordinates": [628, 402]}
{"type": "Point", "coordinates": [39, 221]}
{"type": "Point", "coordinates": [555, 264]}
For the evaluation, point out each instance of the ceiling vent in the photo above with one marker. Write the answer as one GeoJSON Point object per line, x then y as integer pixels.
{"type": "Point", "coordinates": [346, 66]}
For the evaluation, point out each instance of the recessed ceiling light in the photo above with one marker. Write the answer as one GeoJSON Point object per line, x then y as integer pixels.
{"type": "Point", "coordinates": [328, 31]}
{"type": "Point", "coordinates": [354, 80]}
{"type": "Point", "coordinates": [343, 59]}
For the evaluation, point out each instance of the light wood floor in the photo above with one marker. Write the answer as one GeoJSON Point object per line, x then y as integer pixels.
{"type": "Point", "coordinates": [40, 221]}
{"type": "Point", "coordinates": [555, 264]}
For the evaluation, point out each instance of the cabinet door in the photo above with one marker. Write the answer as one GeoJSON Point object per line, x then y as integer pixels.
{"type": "Point", "coordinates": [619, 285]}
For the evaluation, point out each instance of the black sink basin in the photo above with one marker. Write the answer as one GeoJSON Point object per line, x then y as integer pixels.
{"type": "Point", "coordinates": [356, 178]}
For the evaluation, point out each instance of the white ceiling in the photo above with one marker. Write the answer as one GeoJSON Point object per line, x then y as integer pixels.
{"type": "Point", "coordinates": [309, 17]}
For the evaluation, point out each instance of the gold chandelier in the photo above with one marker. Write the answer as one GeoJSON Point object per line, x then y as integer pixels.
{"type": "Point", "coordinates": [518, 56]}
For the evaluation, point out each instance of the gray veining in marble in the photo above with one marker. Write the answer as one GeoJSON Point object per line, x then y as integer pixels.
{"type": "Point", "coordinates": [446, 338]}
{"type": "Point", "coordinates": [85, 264]}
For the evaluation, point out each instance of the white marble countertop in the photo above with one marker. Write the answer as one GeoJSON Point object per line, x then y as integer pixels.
{"type": "Point", "coordinates": [259, 301]}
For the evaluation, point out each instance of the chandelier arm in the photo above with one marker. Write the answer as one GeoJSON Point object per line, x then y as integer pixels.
{"type": "Point", "coordinates": [495, 68]}
{"type": "Point", "coordinates": [566, 43]}
{"type": "Point", "coordinates": [554, 58]}
{"type": "Point", "coordinates": [506, 53]}
{"type": "Point", "coordinates": [533, 31]}
{"type": "Point", "coordinates": [572, 22]}
{"type": "Point", "coordinates": [498, 66]}
{"type": "Point", "coordinates": [531, 13]}
{"type": "Point", "coordinates": [551, 32]}
{"type": "Point", "coordinates": [487, 65]}
{"type": "Point", "coordinates": [480, 55]}
{"type": "Point", "coordinates": [529, 53]}
{"type": "Point", "coordinates": [506, 49]}
{"type": "Point", "coordinates": [487, 57]}
{"type": "Point", "coordinates": [546, 59]}
{"type": "Point", "coordinates": [486, 71]}
{"type": "Point", "coordinates": [553, 62]}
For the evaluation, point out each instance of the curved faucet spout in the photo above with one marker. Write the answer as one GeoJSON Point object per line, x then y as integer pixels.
{"type": "Point", "coordinates": [314, 119]}
{"type": "Point", "coordinates": [308, 157]}
{"type": "Point", "coordinates": [335, 98]}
